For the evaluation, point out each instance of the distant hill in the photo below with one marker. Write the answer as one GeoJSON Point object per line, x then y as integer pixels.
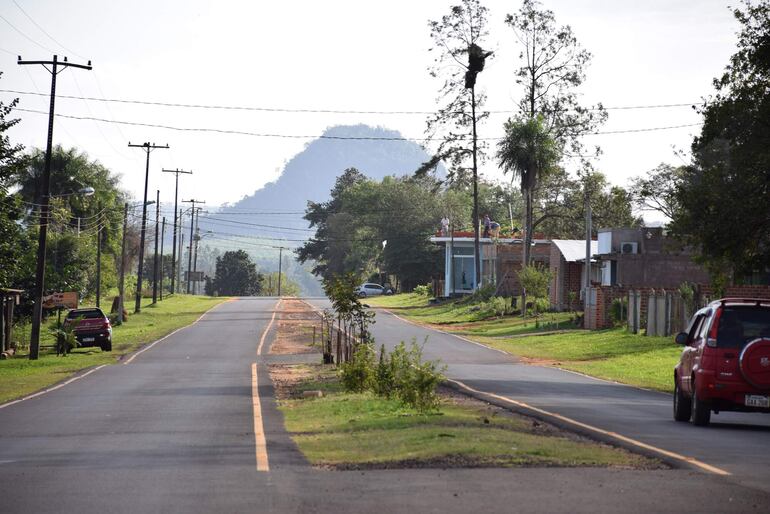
{"type": "Point", "coordinates": [310, 174]}
{"type": "Point", "coordinates": [274, 212]}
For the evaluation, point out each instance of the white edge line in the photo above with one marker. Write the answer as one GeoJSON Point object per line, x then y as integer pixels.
{"type": "Point", "coordinates": [54, 388]}
{"type": "Point", "coordinates": [639, 444]}
{"type": "Point", "coordinates": [78, 377]}
{"type": "Point", "coordinates": [267, 329]}
{"type": "Point", "coordinates": [137, 354]}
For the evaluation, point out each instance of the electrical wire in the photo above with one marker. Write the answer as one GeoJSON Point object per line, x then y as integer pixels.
{"type": "Point", "coordinates": [308, 111]}
{"type": "Point", "coordinates": [324, 136]}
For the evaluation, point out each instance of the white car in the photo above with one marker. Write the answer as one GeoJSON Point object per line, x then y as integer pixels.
{"type": "Point", "coordinates": [369, 289]}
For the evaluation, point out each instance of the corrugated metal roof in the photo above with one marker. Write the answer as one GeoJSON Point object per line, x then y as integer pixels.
{"type": "Point", "coordinates": [574, 250]}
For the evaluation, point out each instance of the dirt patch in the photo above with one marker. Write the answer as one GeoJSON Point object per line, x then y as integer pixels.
{"type": "Point", "coordinates": [296, 323]}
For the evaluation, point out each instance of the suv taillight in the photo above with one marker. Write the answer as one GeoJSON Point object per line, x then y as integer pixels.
{"type": "Point", "coordinates": [711, 339]}
{"type": "Point", "coordinates": [106, 324]}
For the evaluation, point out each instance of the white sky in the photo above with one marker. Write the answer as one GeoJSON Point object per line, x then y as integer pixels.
{"type": "Point", "coordinates": [331, 54]}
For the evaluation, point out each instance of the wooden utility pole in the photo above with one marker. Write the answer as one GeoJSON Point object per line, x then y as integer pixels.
{"type": "Point", "coordinates": [155, 258]}
{"type": "Point", "coordinates": [192, 226]}
{"type": "Point", "coordinates": [162, 268]}
{"type": "Point", "coordinates": [98, 255]}
{"type": "Point", "coordinates": [147, 147]}
{"type": "Point", "coordinates": [122, 264]}
{"type": "Point", "coordinates": [45, 190]}
{"type": "Point", "coordinates": [280, 263]}
{"type": "Point", "coordinates": [176, 206]}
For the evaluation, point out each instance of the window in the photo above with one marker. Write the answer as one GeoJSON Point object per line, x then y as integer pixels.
{"type": "Point", "coordinates": [740, 324]}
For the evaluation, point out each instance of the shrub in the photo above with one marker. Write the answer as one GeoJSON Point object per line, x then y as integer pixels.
{"type": "Point", "coordinates": [618, 310]}
{"type": "Point", "coordinates": [358, 374]}
{"type": "Point", "coordinates": [384, 376]}
{"type": "Point", "coordinates": [415, 381]}
{"type": "Point", "coordinates": [501, 306]}
{"type": "Point", "coordinates": [423, 290]}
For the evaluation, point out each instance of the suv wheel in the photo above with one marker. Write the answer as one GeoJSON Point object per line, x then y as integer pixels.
{"type": "Point", "coordinates": [107, 346]}
{"type": "Point", "coordinates": [701, 410]}
{"type": "Point", "coordinates": [682, 404]}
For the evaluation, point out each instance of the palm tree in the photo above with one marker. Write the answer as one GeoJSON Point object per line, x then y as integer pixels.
{"type": "Point", "coordinates": [529, 152]}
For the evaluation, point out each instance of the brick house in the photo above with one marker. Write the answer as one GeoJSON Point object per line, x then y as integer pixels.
{"type": "Point", "coordinates": [645, 257]}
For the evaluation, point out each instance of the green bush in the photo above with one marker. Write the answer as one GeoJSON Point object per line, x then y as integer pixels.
{"type": "Point", "coordinates": [618, 311]}
{"type": "Point", "coordinates": [423, 290]}
{"type": "Point", "coordinates": [358, 374]}
{"type": "Point", "coordinates": [402, 374]}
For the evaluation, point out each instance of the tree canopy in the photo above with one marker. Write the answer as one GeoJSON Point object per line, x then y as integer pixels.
{"type": "Point", "coordinates": [725, 212]}
{"type": "Point", "coordinates": [236, 275]}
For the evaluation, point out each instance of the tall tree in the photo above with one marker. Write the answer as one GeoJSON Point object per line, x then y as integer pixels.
{"type": "Point", "coordinates": [554, 67]}
{"type": "Point", "coordinates": [12, 240]}
{"type": "Point", "coordinates": [657, 190]}
{"type": "Point", "coordinates": [529, 152]}
{"type": "Point", "coordinates": [454, 35]}
{"type": "Point", "coordinates": [553, 70]}
{"type": "Point", "coordinates": [236, 275]}
{"type": "Point", "coordinates": [331, 245]}
{"type": "Point", "coordinates": [725, 212]}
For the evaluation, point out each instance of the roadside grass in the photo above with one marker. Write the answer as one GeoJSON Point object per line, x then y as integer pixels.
{"type": "Point", "coordinates": [612, 354]}
{"type": "Point", "coordinates": [19, 376]}
{"type": "Point", "coordinates": [474, 321]}
{"type": "Point", "coordinates": [344, 430]}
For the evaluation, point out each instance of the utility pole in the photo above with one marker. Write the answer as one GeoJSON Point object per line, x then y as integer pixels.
{"type": "Point", "coordinates": [587, 285]}
{"type": "Point", "coordinates": [179, 252]}
{"type": "Point", "coordinates": [155, 257]}
{"type": "Point", "coordinates": [98, 255]}
{"type": "Point", "coordinates": [176, 206]}
{"type": "Point", "coordinates": [147, 147]}
{"type": "Point", "coordinates": [162, 268]}
{"type": "Point", "coordinates": [195, 257]}
{"type": "Point", "coordinates": [280, 262]}
{"type": "Point", "coordinates": [192, 224]}
{"type": "Point", "coordinates": [122, 263]}
{"type": "Point", "coordinates": [45, 191]}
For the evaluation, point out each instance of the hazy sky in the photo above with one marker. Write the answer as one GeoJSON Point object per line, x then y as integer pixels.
{"type": "Point", "coordinates": [330, 54]}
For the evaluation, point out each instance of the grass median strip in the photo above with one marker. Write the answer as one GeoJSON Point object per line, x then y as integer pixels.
{"type": "Point", "coordinates": [612, 354]}
{"type": "Point", "coordinates": [19, 376]}
{"type": "Point", "coordinates": [350, 431]}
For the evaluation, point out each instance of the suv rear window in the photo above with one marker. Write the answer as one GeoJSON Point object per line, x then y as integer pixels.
{"type": "Point", "coordinates": [740, 324]}
{"type": "Point", "coordinates": [89, 314]}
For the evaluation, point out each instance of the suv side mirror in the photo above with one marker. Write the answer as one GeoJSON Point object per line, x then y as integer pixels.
{"type": "Point", "coordinates": [681, 338]}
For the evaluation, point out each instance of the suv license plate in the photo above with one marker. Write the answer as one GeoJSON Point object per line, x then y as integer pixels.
{"type": "Point", "coordinates": [91, 340]}
{"type": "Point", "coordinates": [756, 400]}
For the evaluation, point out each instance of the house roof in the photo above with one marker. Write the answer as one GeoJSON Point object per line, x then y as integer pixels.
{"type": "Point", "coordinates": [574, 250]}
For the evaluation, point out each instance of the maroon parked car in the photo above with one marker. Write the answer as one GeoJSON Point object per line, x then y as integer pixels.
{"type": "Point", "coordinates": [91, 327]}
{"type": "Point", "coordinates": [725, 365]}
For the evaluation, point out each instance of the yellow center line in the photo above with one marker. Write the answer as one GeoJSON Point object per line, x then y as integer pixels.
{"type": "Point", "coordinates": [260, 444]}
{"type": "Point", "coordinates": [591, 428]}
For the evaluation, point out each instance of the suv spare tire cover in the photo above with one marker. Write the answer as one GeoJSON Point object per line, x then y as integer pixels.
{"type": "Point", "coordinates": [755, 363]}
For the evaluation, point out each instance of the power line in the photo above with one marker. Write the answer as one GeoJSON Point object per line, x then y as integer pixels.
{"type": "Point", "coordinates": [26, 36]}
{"type": "Point", "coordinates": [314, 110]}
{"type": "Point", "coordinates": [324, 136]}
{"type": "Point", "coordinates": [46, 32]}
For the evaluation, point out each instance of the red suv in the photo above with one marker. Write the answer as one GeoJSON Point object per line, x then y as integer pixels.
{"type": "Point", "coordinates": [91, 327]}
{"type": "Point", "coordinates": [725, 365]}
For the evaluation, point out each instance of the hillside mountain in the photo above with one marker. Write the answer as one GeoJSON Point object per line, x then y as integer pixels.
{"type": "Point", "coordinates": [310, 174]}
{"type": "Point", "coordinates": [274, 213]}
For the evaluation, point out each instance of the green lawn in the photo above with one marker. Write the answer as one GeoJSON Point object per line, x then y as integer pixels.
{"type": "Point", "coordinates": [19, 376]}
{"type": "Point", "coordinates": [474, 322]}
{"type": "Point", "coordinates": [612, 354]}
{"type": "Point", "coordinates": [343, 429]}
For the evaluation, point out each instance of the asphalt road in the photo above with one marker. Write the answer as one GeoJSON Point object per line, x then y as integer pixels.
{"type": "Point", "coordinates": [174, 431]}
{"type": "Point", "coordinates": [738, 443]}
